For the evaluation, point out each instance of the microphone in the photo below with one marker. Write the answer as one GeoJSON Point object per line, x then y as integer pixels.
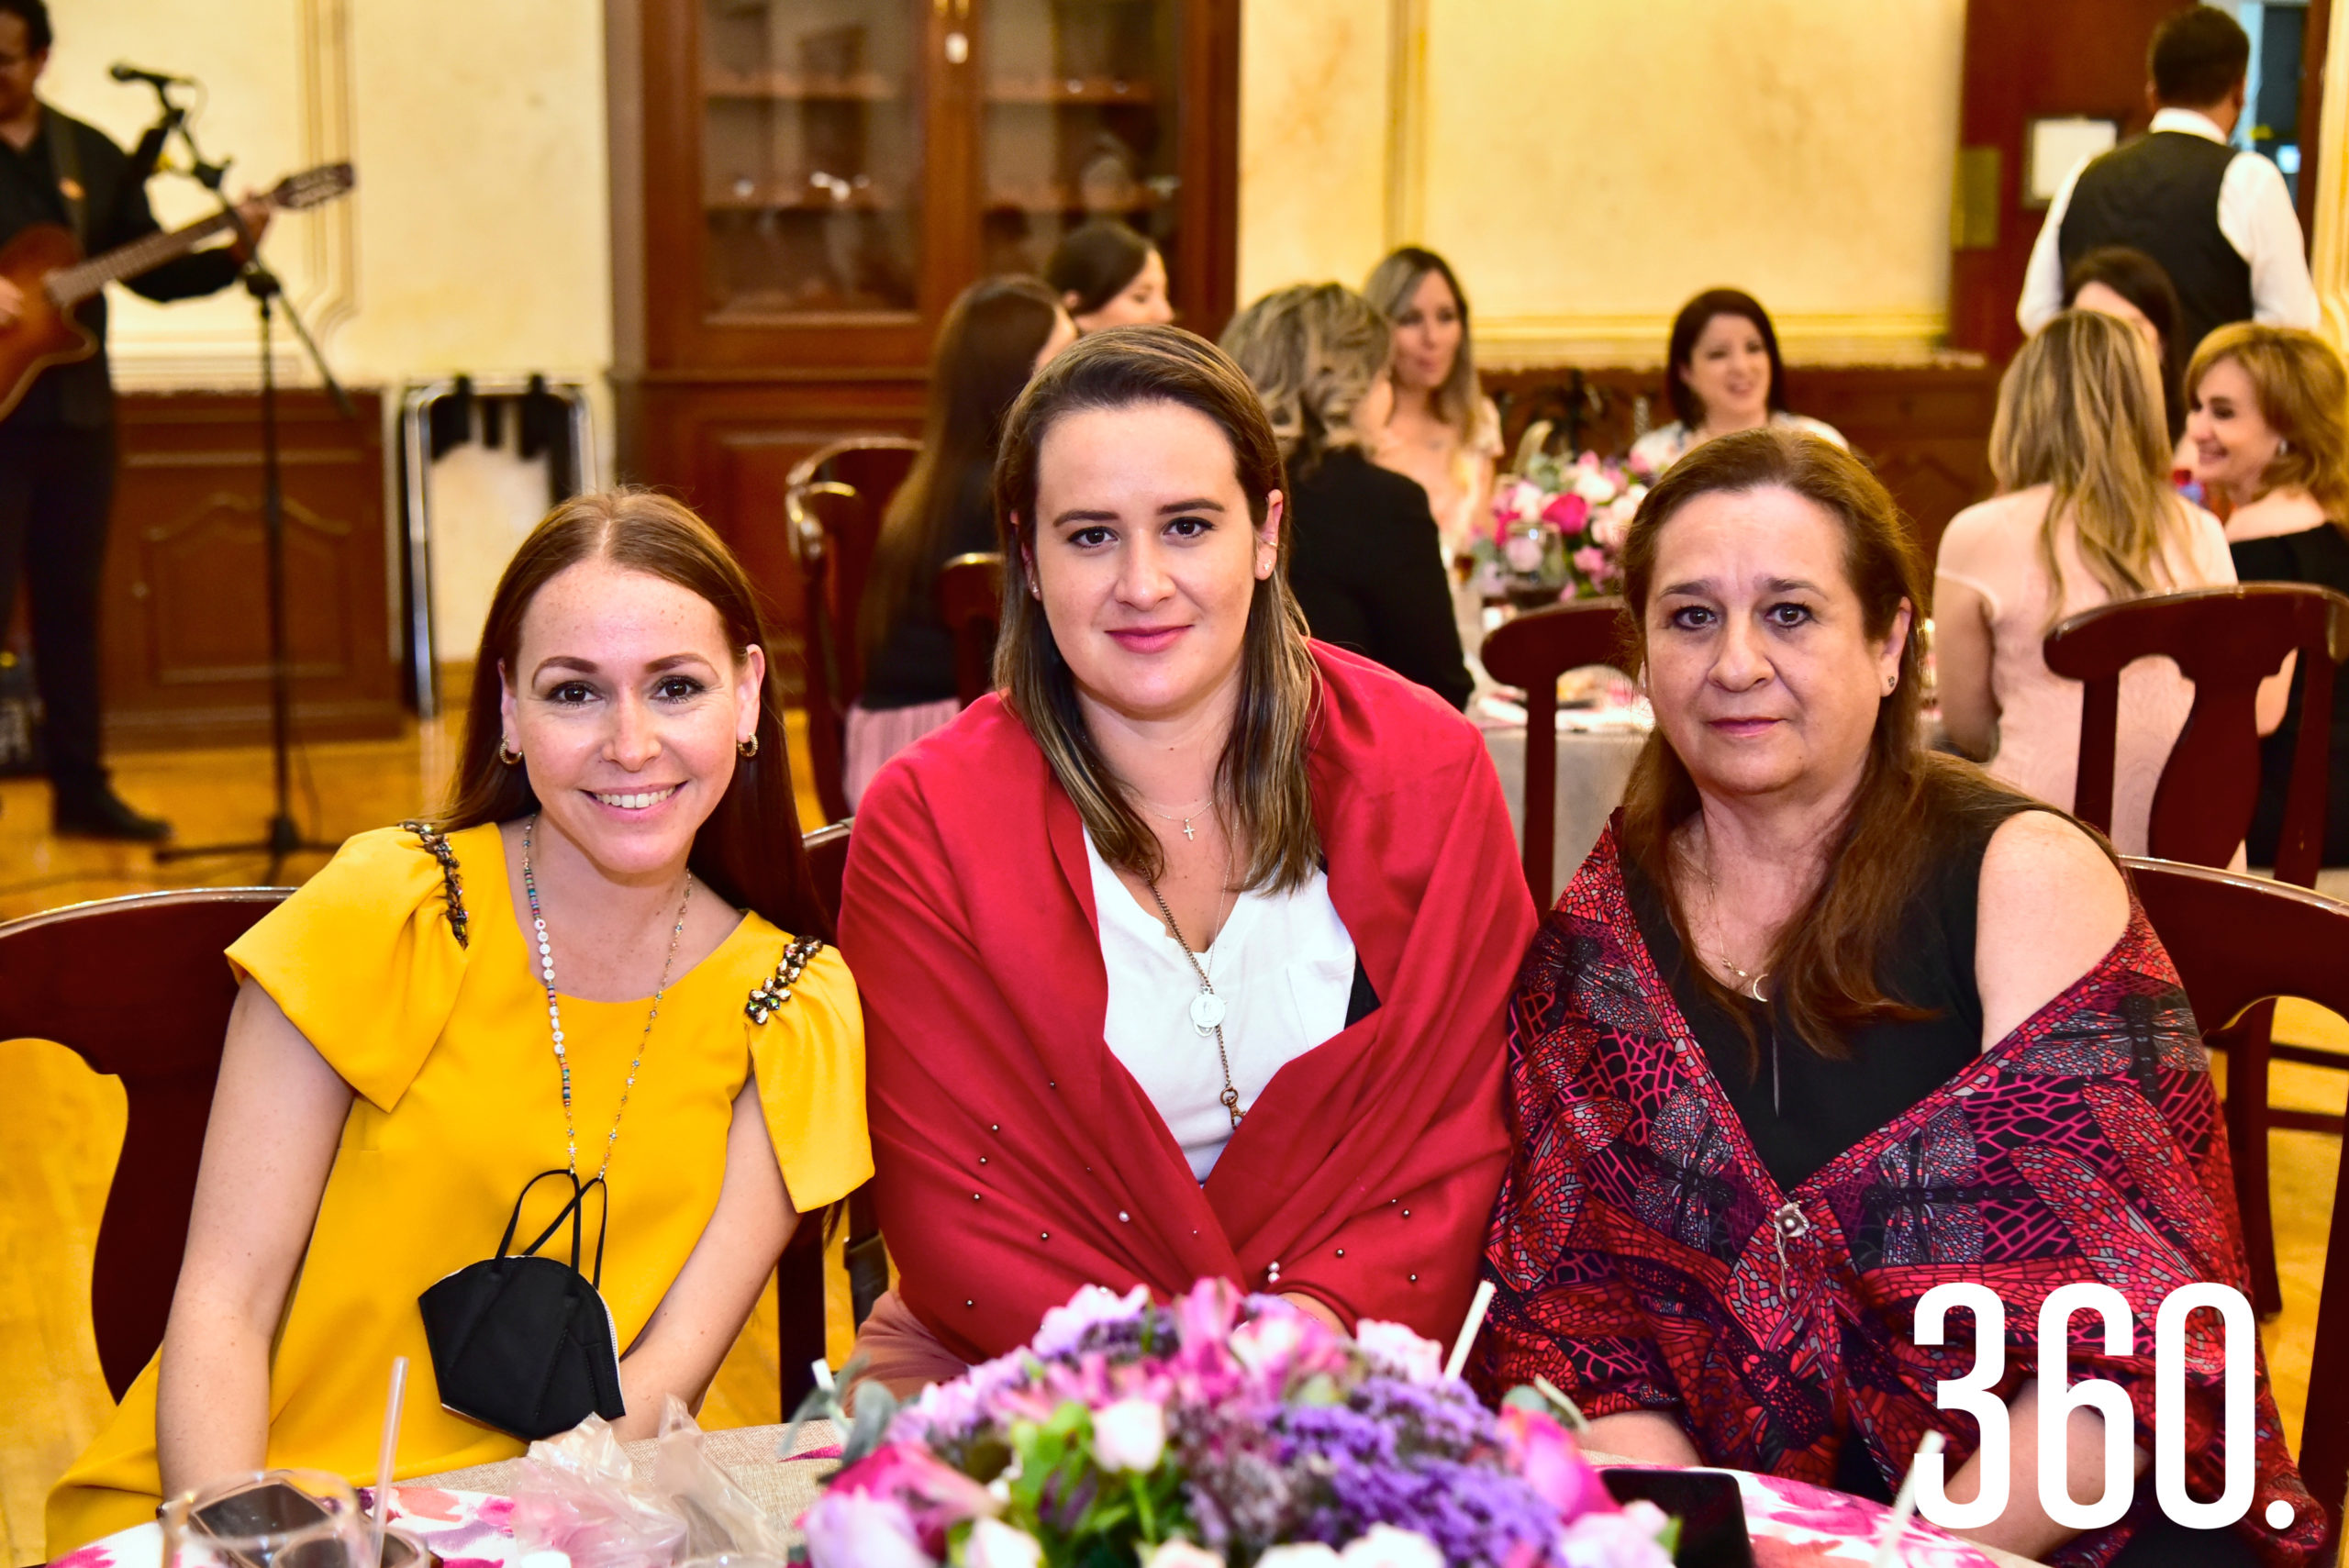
{"type": "Point", "coordinates": [124, 72]}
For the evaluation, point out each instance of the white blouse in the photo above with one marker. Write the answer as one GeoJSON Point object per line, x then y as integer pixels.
{"type": "Point", "coordinates": [1284, 966]}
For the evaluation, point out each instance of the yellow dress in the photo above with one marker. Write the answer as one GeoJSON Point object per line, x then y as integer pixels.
{"type": "Point", "coordinates": [457, 1104]}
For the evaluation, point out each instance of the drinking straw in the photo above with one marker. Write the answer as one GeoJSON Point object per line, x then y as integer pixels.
{"type": "Point", "coordinates": [1904, 1503]}
{"type": "Point", "coordinates": [1476, 1310]}
{"type": "Point", "coordinates": [392, 1402]}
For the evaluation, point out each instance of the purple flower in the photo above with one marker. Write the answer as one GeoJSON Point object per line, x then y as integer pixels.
{"type": "Point", "coordinates": [1065, 1327]}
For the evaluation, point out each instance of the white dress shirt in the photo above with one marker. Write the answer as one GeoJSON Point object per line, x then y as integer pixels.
{"type": "Point", "coordinates": [2256, 214]}
{"type": "Point", "coordinates": [1283, 965]}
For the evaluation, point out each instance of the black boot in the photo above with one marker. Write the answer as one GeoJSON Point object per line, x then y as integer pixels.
{"type": "Point", "coordinates": [95, 811]}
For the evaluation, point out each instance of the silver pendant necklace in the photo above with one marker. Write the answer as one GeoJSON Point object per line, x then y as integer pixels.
{"type": "Point", "coordinates": [1208, 1009]}
{"type": "Point", "coordinates": [1749, 980]}
{"type": "Point", "coordinates": [1184, 817]}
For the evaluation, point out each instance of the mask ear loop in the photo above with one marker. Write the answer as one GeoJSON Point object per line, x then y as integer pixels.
{"type": "Point", "coordinates": [506, 1242]}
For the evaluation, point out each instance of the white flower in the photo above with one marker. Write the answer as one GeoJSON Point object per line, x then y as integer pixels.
{"type": "Point", "coordinates": [1130, 1435]}
{"type": "Point", "coordinates": [995, 1544]}
{"type": "Point", "coordinates": [1064, 1325]}
{"type": "Point", "coordinates": [1306, 1554]}
{"type": "Point", "coordinates": [856, 1530]}
{"type": "Point", "coordinates": [1593, 486]}
{"type": "Point", "coordinates": [1387, 1547]}
{"type": "Point", "coordinates": [1625, 1539]}
{"type": "Point", "coordinates": [1180, 1554]}
{"type": "Point", "coordinates": [1400, 1350]}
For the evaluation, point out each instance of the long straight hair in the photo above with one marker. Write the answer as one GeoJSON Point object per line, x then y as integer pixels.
{"type": "Point", "coordinates": [986, 349]}
{"type": "Point", "coordinates": [748, 851]}
{"type": "Point", "coordinates": [1689, 326]}
{"type": "Point", "coordinates": [2304, 396]}
{"type": "Point", "coordinates": [1390, 287]}
{"type": "Point", "coordinates": [2080, 411]}
{"type": "Point", "coordinates": [1260, 787]}
{"type": "Point", "coordinates": [1912, 807]}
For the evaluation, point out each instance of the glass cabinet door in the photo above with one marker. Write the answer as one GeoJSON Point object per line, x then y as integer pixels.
{"type": "Point", "coordinates": [1078, 106]}
{"type": "Point", "coordinates": [811, 158]}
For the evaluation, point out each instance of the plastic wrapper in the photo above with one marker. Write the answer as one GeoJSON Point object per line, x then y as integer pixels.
{"type": "Point", "coordinates": [720, 1517]}
{"type": "Point", "coordinates": [578, 1495]}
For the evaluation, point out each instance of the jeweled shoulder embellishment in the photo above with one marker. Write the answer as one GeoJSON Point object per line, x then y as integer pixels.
{"type": "Point", "coordinates": [436, 844]}
{"type": "Point", "coordinates": [772, 992]}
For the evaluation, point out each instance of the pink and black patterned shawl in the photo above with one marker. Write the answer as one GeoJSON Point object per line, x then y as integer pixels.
{"type": "Point", "coordinates": [1646, 1260]}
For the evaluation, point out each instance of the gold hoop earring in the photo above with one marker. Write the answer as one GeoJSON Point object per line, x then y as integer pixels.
{"type": "Point", "coordinates": [748, 748]}
{"type": "Point", "coordinates": [507, 755]}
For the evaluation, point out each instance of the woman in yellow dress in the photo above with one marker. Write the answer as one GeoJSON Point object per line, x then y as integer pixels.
{"type": "Point", "coordinates": [561, 979]}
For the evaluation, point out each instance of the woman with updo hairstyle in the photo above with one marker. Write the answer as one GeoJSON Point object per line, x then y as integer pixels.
{"type": "Point", "coordinates": [1443, 430]}
{"type": "Point", "coordinates": [1721, 374]}
{"type": "Point", "coordinates": [559, 977]}
{"type": "Point", "coordinates": [1107, 275]}
{"type": "Point", "coordinates": [1827, 1018]}
{"type": "Point", "coordinates": [1185, 952]}
{"type": "Point", "coordinates": [2268, 426]}
{"type": "Point", "coordinates": [997, 333]}
{"type": "Point", "coordinates": [1368, 564]}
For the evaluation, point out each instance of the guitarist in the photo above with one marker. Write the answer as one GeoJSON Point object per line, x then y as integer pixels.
{"type": "Point", "coordinates": [57, 448]}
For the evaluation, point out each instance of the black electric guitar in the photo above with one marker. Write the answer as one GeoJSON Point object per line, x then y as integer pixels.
{"type": "Point", "coordinates": [47, 266]}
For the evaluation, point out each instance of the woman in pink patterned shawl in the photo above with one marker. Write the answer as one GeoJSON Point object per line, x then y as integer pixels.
{"type": "Point", "coordinates": [1826, 1020]}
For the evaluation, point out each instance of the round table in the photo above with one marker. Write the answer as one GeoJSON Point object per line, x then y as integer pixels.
{"type": "Point", "coordinates": [1594, 765]}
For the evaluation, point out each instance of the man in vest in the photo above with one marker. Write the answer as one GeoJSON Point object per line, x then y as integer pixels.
{"type": "Point", "coordinates": [2219, 220]}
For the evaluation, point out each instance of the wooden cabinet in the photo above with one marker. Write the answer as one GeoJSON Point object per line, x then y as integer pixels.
{"type": "Point", "coordinates": [801, 187]}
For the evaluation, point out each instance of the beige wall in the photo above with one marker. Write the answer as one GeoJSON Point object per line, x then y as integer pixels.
{"type": "Point", "coordinates": [1586, 166]}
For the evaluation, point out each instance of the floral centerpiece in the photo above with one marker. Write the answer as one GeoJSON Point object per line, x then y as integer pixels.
{"type": "Point", "coordinates": [1558, 528]}
{"type": "Point", "coordinates": [1217, 1432]}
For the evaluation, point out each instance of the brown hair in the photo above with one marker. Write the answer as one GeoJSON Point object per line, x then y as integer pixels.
{"type": "Point", "coordinates": [1912, 805]}
{"type": "Point", "coordinates": [2079, 411]}
{"type": "Point", "coordinates": [1390, 287]}
{"type": "Point", "coordinates": [2304, 396]}
{"type": "Point", "coordinates": [1261, 788]}
{"type": "Point", "coordinates": [986, 350]}
{"type": "Point", "coordinates": [1689, 326]}
{"type": "Point", "coordinates": [748, 851]}
{"type": "Point", "coordinates": [1314, 351]}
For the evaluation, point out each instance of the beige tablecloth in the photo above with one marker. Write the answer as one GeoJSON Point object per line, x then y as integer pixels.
{"type": "Point", "coordinates": [1593, 768]}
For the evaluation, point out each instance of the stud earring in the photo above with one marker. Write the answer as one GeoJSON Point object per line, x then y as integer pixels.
{"type": "Point", "coordinates": [1890, 683]}
{"type": "Point", "coordinates": [2282, 446]}
{"type": "Point", "coordinates": [506, 753]}
{"type": "Point", "coordinates": [747, 748]}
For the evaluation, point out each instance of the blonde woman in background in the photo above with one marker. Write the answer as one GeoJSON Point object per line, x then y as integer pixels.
{"type": "Point", "coordinates": [1443, 432]}
{"type": "Point", "coordinates": [2268, 428]}
{"type": "Point", "coordinates": [2085, 516]}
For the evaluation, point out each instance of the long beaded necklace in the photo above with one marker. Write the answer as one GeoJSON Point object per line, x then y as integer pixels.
{"type": "Point", "coordinates": [1207, 1009]}
{"type": "Point", "coordinates": [554, 1008]}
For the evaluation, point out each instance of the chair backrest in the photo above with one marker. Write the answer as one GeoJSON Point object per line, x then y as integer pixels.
{"type": "Point", "coordinates": [2226, 640]}
{"type": "Point", "coordinates": [1533, 650]}
{"type": "Point", "coordinates": [970, 601]}
{"type": "Point", "coordinates": [136, 987]}
{"type": "Point", "coordinates": [828, 864]}
{"type": "Point", "coordinates": [834, 499]}
{"type": "Point", "coordinates": [2237, 942]}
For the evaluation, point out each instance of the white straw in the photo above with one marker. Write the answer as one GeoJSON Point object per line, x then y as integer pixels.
{"type": "Point", "coordinates": [1904, 1503]}
{"type": "Point", "coordinates": [389, 1452]}
{"type": "Point", "coordinates": [1476, 1310]}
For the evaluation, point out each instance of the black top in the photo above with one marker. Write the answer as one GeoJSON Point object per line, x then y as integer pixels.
{"type": "Point", "coordinates": [2319, 555]}
{"type": "Point", "coordinates": [915, 664]}
{"type": "Point", "coordinates": [1802, 1109]}
{"type": "Point", "coordinates": [1367, 566]}
{"type": "Point", "coordinates": [114, 212]}
{"type": "Point", "coordinates": [2160, 195]}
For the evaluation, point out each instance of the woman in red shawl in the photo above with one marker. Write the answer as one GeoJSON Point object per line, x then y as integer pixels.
{"type": "Point", "coordinates": [1186, 952]}
{"type": "Point", "coordinates": [1826, 1020]}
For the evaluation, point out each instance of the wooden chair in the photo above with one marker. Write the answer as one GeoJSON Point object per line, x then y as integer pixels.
{"type": "Point", "coordinates": [2226, 640]}
{"type": "Point", "coordinates": [1533, 650]}
{"type": "Point", "coordinates": [136, 989]}
{"type": "Point", "coordinates": [2239, 942]}
{"type": "Point", "coordinates": [970, 601]}
{"type": "Point", "coordinates": [833, 502]}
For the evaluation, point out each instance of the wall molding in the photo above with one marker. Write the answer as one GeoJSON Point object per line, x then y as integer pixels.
{"type": "Point", "coordinates": [1406, 122]}
{"type": "Point", "coordinates": [2328, 252]}
{"type": "Point", "coordinates": [1638, 337]}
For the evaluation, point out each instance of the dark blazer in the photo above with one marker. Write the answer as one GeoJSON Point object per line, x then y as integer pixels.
{"type": "Point", "coordinates": [1366, 564]}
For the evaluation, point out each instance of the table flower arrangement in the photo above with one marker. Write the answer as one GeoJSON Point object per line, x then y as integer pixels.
{"type": "Point", "coordinates": [1218, 1431]}
{"type": "Point", "coordinates": [1558, 528]}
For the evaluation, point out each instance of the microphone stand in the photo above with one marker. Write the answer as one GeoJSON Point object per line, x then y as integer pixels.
{"type": "Point", "coordinates": [284, 835]}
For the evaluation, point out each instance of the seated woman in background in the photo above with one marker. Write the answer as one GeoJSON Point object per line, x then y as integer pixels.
{"type": "Point", "coordinates": [1722, 372]}
{"type": "Point", "coordinates": [400, 1064]}
{"type": "Point", "coordinates": [2116, 280]}
{"type": "Point", "coordinates": [2086, 515]}
{"type": "Point", "coordinates": [1186, 955]}
{"type": "Point", "coordinates": [1368, 566]}
{"type": "Point", "coordinates": [1107, 275]}
{"type": "Point", "coordinates": [998, 334]}
{"type": "Point", "coordinates": [1759, 1105]}
{"type": "Point", "coordinates": [1443, 430]}
{"type": "Point", "coordinates": [2267, 431]}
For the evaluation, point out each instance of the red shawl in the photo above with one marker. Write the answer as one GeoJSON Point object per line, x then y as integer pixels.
{"type": "Point", "coordinates": [1017, 1159]}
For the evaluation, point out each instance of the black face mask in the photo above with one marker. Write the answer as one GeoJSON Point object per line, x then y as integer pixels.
{"type": "Point", "coordinates": [523, 1343]}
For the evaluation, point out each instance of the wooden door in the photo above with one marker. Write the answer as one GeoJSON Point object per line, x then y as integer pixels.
{"type": "Point", "coordinates": [2027, 60]}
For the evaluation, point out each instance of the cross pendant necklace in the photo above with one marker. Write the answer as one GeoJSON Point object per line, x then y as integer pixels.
{"type": "Point", "coordinates": [1182, 815]}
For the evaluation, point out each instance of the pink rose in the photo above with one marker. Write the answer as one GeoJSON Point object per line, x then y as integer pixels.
{"type": "Point", "coordinates": [855, 1529]}
{"type": "Point", "coordinates": [1545, 1454]}
{"type": "Point", "coordinates": [1592, 562]}
{"type": "Point", "coordinates": [1608, 532]}
{"type": "Point", "coordinates": [1569, 512]}
{"type": "Point", "coordinates": [934, 1496]}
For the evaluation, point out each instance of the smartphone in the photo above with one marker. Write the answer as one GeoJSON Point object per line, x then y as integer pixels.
{"type": "Point", "coordinates": [271, 1508]}
{"type": "Point", "coordinates": [1707, 1503]}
